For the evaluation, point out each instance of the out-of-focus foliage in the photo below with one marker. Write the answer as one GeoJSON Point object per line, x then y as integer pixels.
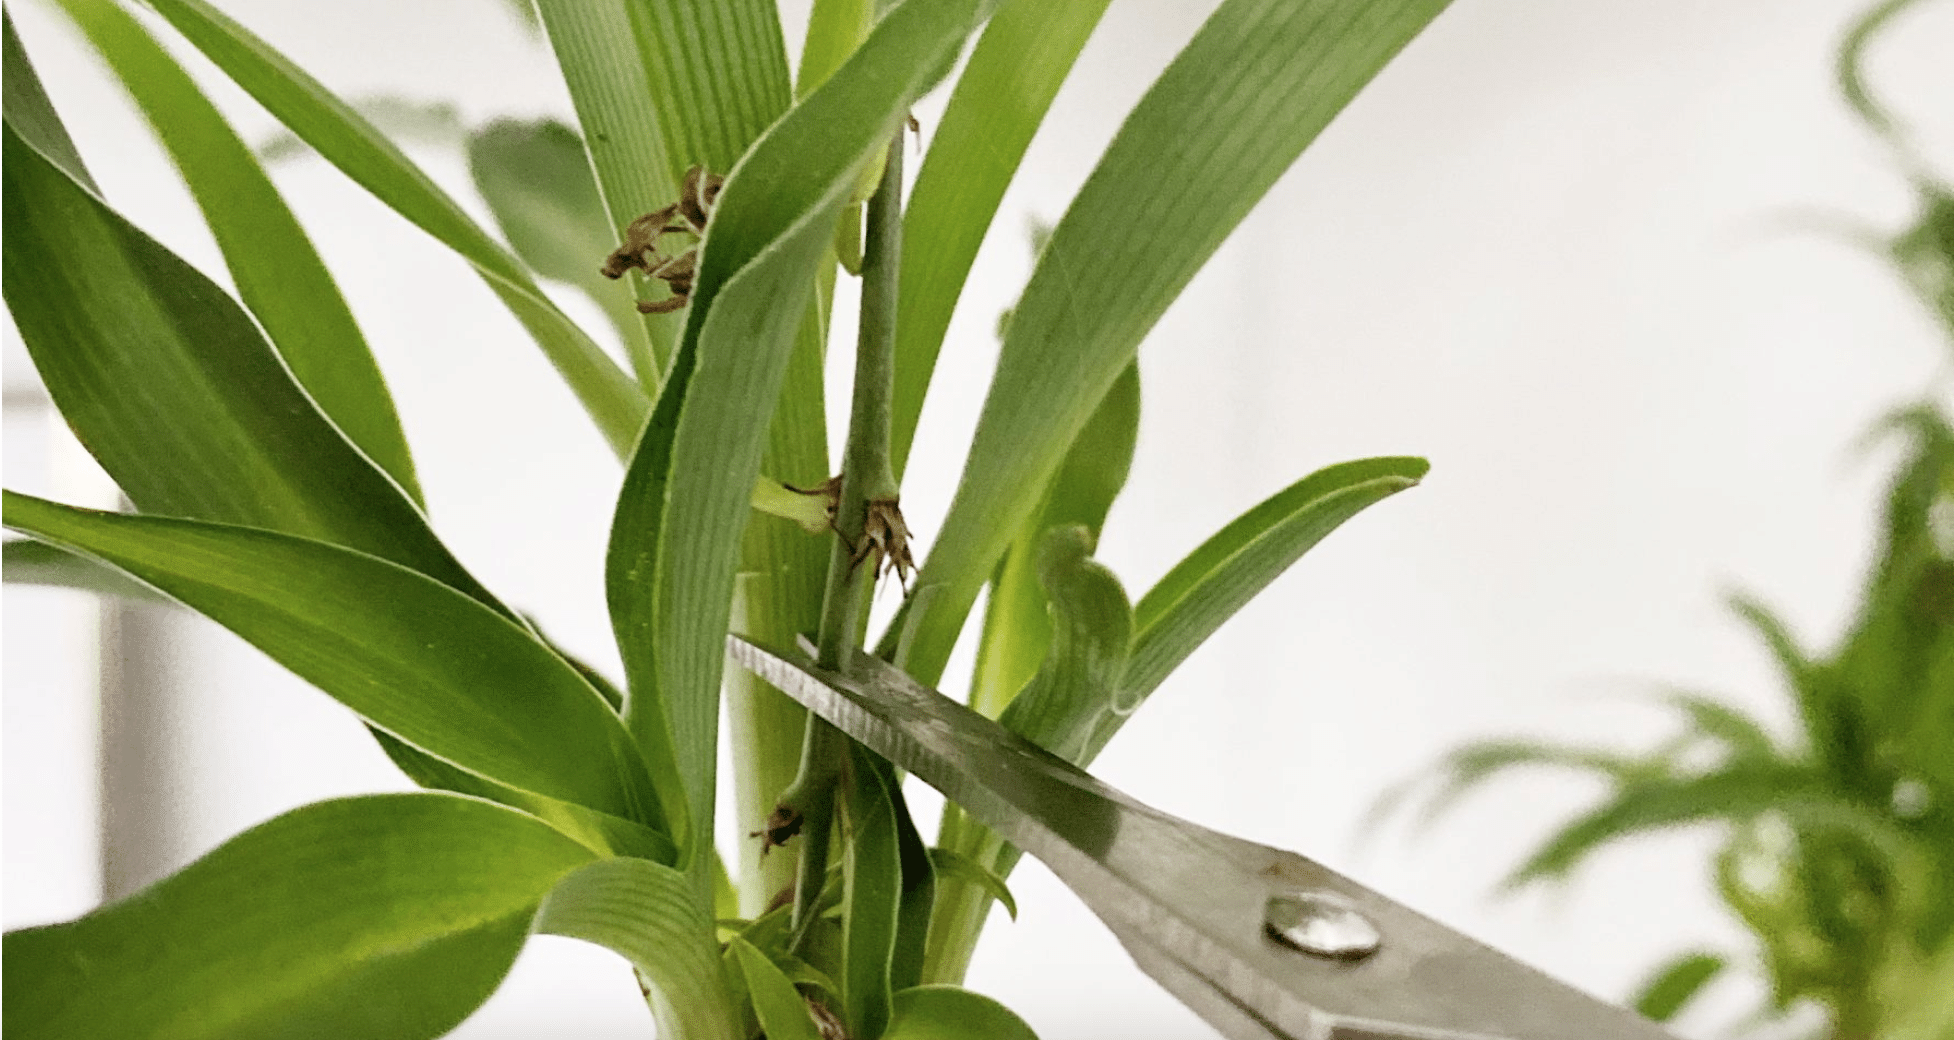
{"type": "Point", "coordinates": [1839, 848]}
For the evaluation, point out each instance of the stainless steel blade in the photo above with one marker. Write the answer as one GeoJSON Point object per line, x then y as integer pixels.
{"type": "Point", "coordinates": [1192, 905]}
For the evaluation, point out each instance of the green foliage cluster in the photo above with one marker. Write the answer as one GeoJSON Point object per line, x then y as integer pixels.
{"type": "Point", "coordinates": [1839, 847]}
{"type": "Point", "coordinates": [277, 495]}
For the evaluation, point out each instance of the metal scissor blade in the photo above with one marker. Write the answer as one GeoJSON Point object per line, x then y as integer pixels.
{"type": "Point", "coordinates": [1192, 905]}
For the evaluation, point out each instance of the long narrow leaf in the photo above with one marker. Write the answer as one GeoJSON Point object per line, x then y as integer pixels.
{"type": "Point", "coordinates": [677, 533]}
{"type": "Point", "coordinates": [997, 105]}
{"type": "Point", "coordinates": [1214, 581]}
{"type": "Point", "coordinates": [718, 76]}
{"type": "Point", "coordinates": [278, 274]}
{"type": "Point", "coordinates": [1079, 684]}
{"type": "Point", "coordinates": [598, 52]}
{"type": "Point", "coordinates": [871, 885]}
{"type": "Point", "coordinates": [30, 113]}
{"type": "Point", "coordinates": [348, 141]}
{"type": "Point", "coordinates": [29, 562]}
{"type": "Point", "coordinates": [1257, 84]}
{"type": "Point", "coordinates": [390, 915]}
{"type": "Point", "coordinates": [1735, 793]}
{"type": "Point", "coordinates": [412, 656]}
{"type": "Point", "coordinates": [1017, 621]}
{"type": "Point", "coordinates": [1676, 984]}
{"type": "Point", "coordinates": [175, 392]}
{"type": "Point", "coordinates": [781, 1008]}
{"type": "Point", "coordinates": [536, 179]}
{"type": "Point", "coordinates": [650, 915]}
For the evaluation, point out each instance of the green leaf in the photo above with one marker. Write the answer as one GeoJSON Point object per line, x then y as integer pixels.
{"type": "Point", "coordinates": [918, 899]}
{"type": "Point", "coordinates": [651, 915]}
{"type": "Point", "coordinates": [834, 29]}
{"type": "Point", "coordinates": [597, 51]}
{"type": "Point", "coordinates": [363, 153]}
{"type": "Point", "coordinates": [999, 101]}
{"type": "Point", "coordinates": [389, 915]}
{"type": "Point", "coordinates": [536, 179]}
{"type": "Point", "coordinates": [1079, 683]}
{"type": "Point", "coordinates": [1017, 622]}
{"type": "Point", "coordinates": [30, 562]}
{"type": "Point", "coordinates": [432, 123]}
{"type": "Point", "coordinates": [1476, 764]}
{"type": "Point", "coordinates": [717, 70]}
{"type": "Point", "coordinates": [955, 866]}
{"type": "Point", "coordinates": [1214, 581]}
{"type": "Point", "coordinates": [782, 1010]}
{"type": "Point", "coordinates": [32, 116]}
{"type": "Point", "coordinates": [1675, 984]}
{"type": "Point", "coordinates": [414, 657]}
{"type": "Point", "coordinates": [872, 882]}
{"type": "Point", "coordinates": [278, 274]}
{"type": "Point", "coordinates": [1743, 735]}
{"type": "Point", "coordinates": [951, 1013]}
{"type": "Point", "coordinates": [676, 537]}
{"type": "Point", "coordinates": [1737, 792]}
{"type": "Point", "coordinates": [1256, 85]}
{"type": "Point", "coordinates": [220, 432]}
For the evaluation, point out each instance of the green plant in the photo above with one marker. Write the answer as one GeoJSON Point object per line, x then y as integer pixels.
{"type": "Point", "coordinates": [277, 496]}
{"type": "Point", "coordinates": [1839, 847]}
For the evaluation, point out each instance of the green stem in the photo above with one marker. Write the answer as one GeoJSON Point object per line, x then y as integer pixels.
{"type": "Point", "coordinates": [866, 476]}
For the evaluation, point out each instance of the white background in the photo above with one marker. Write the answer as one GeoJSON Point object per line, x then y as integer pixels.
{"type": "Point", "coordinates": [1557, 248]}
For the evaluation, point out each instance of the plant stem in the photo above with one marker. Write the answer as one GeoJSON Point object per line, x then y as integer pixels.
{"type": "Point", "coordinates": [866, 476]}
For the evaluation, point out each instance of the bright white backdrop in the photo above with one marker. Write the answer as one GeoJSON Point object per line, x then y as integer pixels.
{"type": "Point", "coordinates": [1548, 249]}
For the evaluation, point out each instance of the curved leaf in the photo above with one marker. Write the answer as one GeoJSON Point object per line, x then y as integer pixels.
{"type": "Point", "coordinates": [1676, 984]}
{"type": "Point", "coordinates": [1079, 683]}
{"type": "Point", "coordinates": [1737, 792]}
{"type": "Point", "coordinates": [30, 113]}
{"type": "Point", "coordinates": [999, 101]}
{"type": "Point", "coordinates": [597, 51]}
{"type": "Point", "coordinates": [871, 880]}
{"type": "Point", "coordinates": [1214, 581]}
{"type": "Point", "coordinates": [390, 915]}
{"type": "Point", "coordinates": [781, 1008]}
{"type": "Point", "coordinates": [952, 865]}
{"type": "Point", "coordinates": [675, 540]}
{"type": "Point", "coordinates": [414, 657]}
{"type": "Point", "coordinates": [536, 179]}
{"type": "Point", "coordinates": [1255, 86]}
{"type": "Point", "coordinates": [951, 1013]}
{"type": "Point", "coordinates": [650, 914]}
{"type": "Point", "coordinates": [345, 139]}
{"type": "Point", "coordinates": [29, 562]}
{"type": "Point", "coordinates": [278, 274]}
{"type": "Point", "coordinates": [219, 430]}
{"type": "Point", "coordinates": [1017, 620]}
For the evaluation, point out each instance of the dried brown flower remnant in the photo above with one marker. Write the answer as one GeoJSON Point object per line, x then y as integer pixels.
{"type": "Point", "coordinates": [781, 827]}
{"type": "Point", "coordinates": [688, 216]}
{"type": "Point", "coordinates": [887, 534]}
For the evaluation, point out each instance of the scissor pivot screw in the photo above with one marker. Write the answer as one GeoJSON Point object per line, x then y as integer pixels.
{"type": "Point", "coordinates": [1321, 924]}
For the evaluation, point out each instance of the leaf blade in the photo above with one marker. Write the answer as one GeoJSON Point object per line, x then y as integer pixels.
{"type": "Point", "coordinates": [1259, 81]}
{"type": "Point", "coordinates": [344, 138]}
{"type": "Point", "coordinates": [781, 1009]}
{"type": "Point", "coordinates": [279, 275]}
{"type": "Point", "coordinates": [1214, 581]}
{"type": "Point", "coordinates": [390, 915]}
{"type": "Point", "coordinates": [649, 914]}
{"type": "Point", "coordinates": [415, 657]}
{"type": "Point", "coordinates": [103, 307]}
{"type": "Point", "coordinates": [1675, 984]}
{"type": "Point", "coordinates": [1020, 61]}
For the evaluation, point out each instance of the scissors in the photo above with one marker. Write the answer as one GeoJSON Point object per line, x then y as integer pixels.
{"type": "Point", "coordinates": [1262, 943]}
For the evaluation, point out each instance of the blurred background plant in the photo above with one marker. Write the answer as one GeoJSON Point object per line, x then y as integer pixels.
{"type": "Point", "coordinates": [1838, 853]}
